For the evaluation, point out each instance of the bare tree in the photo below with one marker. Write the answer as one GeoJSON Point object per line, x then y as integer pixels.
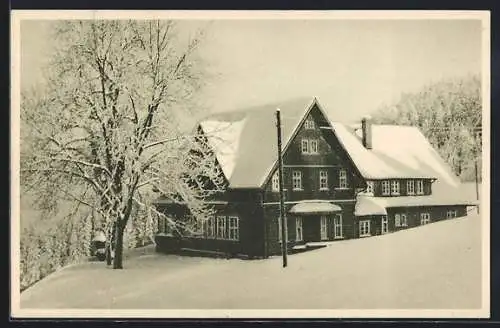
{"type": "Point", "coordinates": [106, 131]}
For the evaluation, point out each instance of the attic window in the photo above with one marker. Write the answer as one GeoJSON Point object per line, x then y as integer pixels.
{"type": "Point", "coordinates": [309, 146]}
{"type": "Point", "coordinates": [309, 124]}
{"type": "Point", "coordinates": [275, 183]}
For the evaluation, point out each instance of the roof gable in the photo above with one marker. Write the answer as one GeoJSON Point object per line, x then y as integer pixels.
{"type": "Point", "coordinates": [244, 140]}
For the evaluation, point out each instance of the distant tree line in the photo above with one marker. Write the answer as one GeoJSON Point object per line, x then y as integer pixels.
{"type": "Point", "coordinates": [449, 114]}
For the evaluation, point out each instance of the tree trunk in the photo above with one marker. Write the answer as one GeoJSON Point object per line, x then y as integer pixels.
{"type": "Point", "coordinates": [118, 259]}
{"type": "Point", "coordinates": [108, 253]}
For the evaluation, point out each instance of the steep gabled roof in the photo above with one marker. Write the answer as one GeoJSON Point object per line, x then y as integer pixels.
{"type": "Point", "coordinates": [245, 140]}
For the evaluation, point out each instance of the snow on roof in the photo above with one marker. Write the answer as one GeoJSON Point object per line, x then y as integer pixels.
{"type": "Point", "coordinates": [245, 145]}
{"type": "Point", "coordinates": [397, 152]}
{"type": "Point", "coordinates": [366, 205]}
{"type": "Point", "coordinates": [369, 205]}
{"type": "Point", "coordinates": [224, 137]}
{"type": "Point", "coordinates": [314, 206]}
{"type": "Point", "coordinates": [247, 159]}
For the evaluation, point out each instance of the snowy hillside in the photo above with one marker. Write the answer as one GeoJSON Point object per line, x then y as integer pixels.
{"type": "Point", "coordinates": [431, 267]}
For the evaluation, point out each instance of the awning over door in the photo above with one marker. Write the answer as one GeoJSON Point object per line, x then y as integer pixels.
{"type": "Point", "coordinates": [314, 207]}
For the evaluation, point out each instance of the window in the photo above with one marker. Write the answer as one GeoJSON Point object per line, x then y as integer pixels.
{"type": "Point", "coordinates": [404, 222]}
{"type": "Point", "coordinates": [451, 214]}
{"type": "Point", "coordinates": [275, 183]}
{"type": "Point", "coordinates": [323, 180]}
{"type": "Point", "coordinates": [305, 146]}
{"type": "Point", "coordinates": [385, 224]}
{"type": "Point", "coordinates": [234, 228]}
{"type": "Point", "coordinates": [313, 146]}
{"type": "Point", "coordinates": [211, 228]}
{"type": "Point", "coordinates": [410, 187]}
{"type": "Point", "coordinates": [337, 226]}
{"type": "Point", "coordinates": [425, 218]}
{"type": "Point", "coordinates": [198, 228]}
{"type": "Point", "coordinates": [369, 187]}
{"type": "Point", "coordinates": [309, 124]}
{"type": "Point", "coordinates": [385, 187]}
{"type": "Point", "coordinates": [324, 228]}
{"type": "Point", "coordinates": [297, 180]}
{"type": "Point", "coordinates": [420, 187]}
{"type": "Point", "coordinates": [364, 228]}
{"type": "Point", "coordinates": [395, 187]}
{"type": "Point", "coordinates": [309, 146]}
{"type": "Point", "coordinates": [342, 179]}
{"type": "Point", "coordinates": [221, 227]}
{"type": "Point", "coordinates": [400, 220]}
{"type": "Point", "coordinates": [298, 229]}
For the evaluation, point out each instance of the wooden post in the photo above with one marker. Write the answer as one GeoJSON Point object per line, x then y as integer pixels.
{"type": "Point", "coordinates": [282, 202]}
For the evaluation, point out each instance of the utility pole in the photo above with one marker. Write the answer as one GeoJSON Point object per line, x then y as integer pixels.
{"type": "Point", "coordinates": [284, 229]}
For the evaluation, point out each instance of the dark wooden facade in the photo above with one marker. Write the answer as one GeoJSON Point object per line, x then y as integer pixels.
{"type": "Point", "coordinates": [258, 209]}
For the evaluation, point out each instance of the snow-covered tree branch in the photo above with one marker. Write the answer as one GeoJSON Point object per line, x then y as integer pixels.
{"type": "Point", "coordinates": [449, 114]}
{"type": "Point", "coordinates": [107, 126]}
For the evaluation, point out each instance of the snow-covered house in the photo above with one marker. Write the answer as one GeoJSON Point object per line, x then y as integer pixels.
{"type": "Point", "coordinates": [340, 181]}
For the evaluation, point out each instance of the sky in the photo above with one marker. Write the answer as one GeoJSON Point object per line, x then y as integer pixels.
{"type": "Point", "coordinates": [351, 66]}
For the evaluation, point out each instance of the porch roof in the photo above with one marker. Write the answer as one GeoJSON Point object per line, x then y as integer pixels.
{"type": "Point", "coordinates": [369, 205]}
{"type": "Point", "coordinates": [314, 207]}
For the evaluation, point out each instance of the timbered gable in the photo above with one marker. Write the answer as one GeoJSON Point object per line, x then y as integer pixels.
{"type": "Point", "coordinates": [314, 164]}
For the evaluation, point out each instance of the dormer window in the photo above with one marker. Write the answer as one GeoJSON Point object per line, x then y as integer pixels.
{"type": "Point", "coordinates": [394, 187]}
{"type": "Point", "coordinates": [420, 187]}
{"type": "Point", "coordinates": [386, 189]}
{"type": "Point", "coordinates": [309, 124]}
{"type": "Point", "coordinates": [410, 187]}
{"type": "Point", "coordinates": [369, 187]}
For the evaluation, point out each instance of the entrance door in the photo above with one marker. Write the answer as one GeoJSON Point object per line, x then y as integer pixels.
{"type": "Point", "coordinates": [298, 229]}
{"type": "Point", "coordinates": [337, 226]}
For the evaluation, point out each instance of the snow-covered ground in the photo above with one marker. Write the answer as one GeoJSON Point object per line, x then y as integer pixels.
{"type": "Point", "coordinates": [437, 266]}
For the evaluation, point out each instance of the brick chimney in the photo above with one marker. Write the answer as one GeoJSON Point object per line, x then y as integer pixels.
{"type": "Point", "coordinates": [366, 129]}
